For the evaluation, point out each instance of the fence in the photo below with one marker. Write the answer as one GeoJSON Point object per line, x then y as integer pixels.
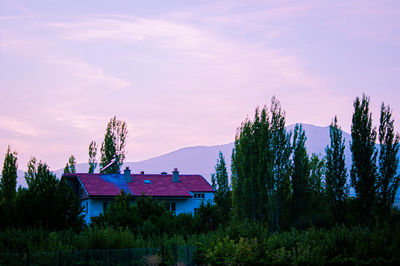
{"type": "Point", "coordinates": [110, 257]}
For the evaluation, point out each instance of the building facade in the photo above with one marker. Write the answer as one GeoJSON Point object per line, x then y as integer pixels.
{"type": "Point", "coordinates": [182, 193]}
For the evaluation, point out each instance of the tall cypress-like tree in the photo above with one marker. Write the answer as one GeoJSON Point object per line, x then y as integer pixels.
{"type": "Point", "coordinates": [388, 179]}
{"type": "Point", "coordinates": [300, 176]}
{"type": "Point", "coordinates": [252, 167]}
{"type": "Point", "coordinates": [8, 183]}
{"type": "Point", "coordinates": [363, 170]}
{"type": "Point", "coordinates": [336, 173]}
{"type": "Point", "coordinates": [282, 150]}
{"type": "Point", "coordinates": [219, 179]}
{"type": "Point", "coordinates": [114, 144]}
{"type": "Point", "coordinates": [70, 167]}
{"type": "Point", "coordinates": [92, 156]}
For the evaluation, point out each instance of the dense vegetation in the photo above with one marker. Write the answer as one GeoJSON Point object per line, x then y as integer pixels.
{"type": "Point", "coordinates": [284, 206]}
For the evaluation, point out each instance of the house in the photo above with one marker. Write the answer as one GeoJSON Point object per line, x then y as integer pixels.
{"type": "Point", "coordinates": [183, 193]}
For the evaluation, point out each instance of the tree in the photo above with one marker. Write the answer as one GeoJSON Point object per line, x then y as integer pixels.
{"type": "Point", "coordinates": [363, 170]}
{"type": "Point", "coordinates": [62, 208]}
{"type": "Point", "coordinates": [252, 167]}
{"type": "Point", "coordinates": [300, 176]}
{"type": "Point", "coordinates": [316, 203]}
{"type": "Point", "coordinates": [388, 179]}
{"type": "Point", "coordinates": [114, 144]}
{"type": "Point", "coordinates": [8, 183]}
{"type": "Point", "coordinates": [281, 150]}
{"type": "Point", "coordinates": [222, 195]}
{"type": "Point", "coordinates": [92, 156]}
{"type": "Point", "coordinates": [70, 167]}
{"type": "Point", "coordinates": [336, 173]}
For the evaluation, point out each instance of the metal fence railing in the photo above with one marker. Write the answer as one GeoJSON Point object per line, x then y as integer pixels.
{"type": "Point", "coordinates": [182, 255]}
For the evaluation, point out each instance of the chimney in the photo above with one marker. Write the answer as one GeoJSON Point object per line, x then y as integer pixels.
{"type": "Point", "coordinates": [175, 175]}
{"type": "Point", "coordinates": [127, 175]}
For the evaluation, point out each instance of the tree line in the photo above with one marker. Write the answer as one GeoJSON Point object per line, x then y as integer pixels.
{"type": "Point", "coordinates": [276, 182]}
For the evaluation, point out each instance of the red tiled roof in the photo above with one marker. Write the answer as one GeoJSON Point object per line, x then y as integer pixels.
{"type": "Point", "coordinates": [161, 185]}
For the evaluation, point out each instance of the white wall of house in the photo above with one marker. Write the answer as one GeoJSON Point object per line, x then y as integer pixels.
{"type": "Point", "coordinates": [93, 207]}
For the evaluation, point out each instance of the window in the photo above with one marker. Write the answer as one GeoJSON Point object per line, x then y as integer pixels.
{"type": "Point", "coordinates": [198, 195]}
{"type": "Point", "coordinates": [105, 205]}
{"type": "Point", "coordinates": [171, 206]}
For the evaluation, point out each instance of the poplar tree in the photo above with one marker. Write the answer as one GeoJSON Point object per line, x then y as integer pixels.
{"type": "Point", "coordinates": [363, 170]}
{"type": "Point", "coordinates": [300, 175]}
{"type": "Point", "coordinates": [388, 179]}
{"type": "Point", "coordinates": [219, 179]}
{"type": "Point", "coordinates": [336, 173]}
{"type": "Point", "coordinates": [92, 156]}
{"type": "Point", "coordinates": [114, 144]}
{"type": "Point", "coordinates": [70, 167]}
{"type": "Point", "coordinates": [281, 150]}
{"type": "Point", "coordinates": [252, 167]}
{"type": "Point", "coordinates": [8, 183]}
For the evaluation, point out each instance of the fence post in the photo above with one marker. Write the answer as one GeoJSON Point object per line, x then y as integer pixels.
{"type": "Point", "coordinates": [27, 257]}
{"type": "Point", "coordinates": [175, 255]}
{"type": "Point", "coordinates": [59, 258]}
{"type": "Point", "coordinates": [187, 256]}
{"type": "Point", "coordinates": [109, 257]}
{"type": "Point", "coordinates": [87, 257]}
{"type": "Point", "coordinates": [162, 254]}
{"type": "Point", "coordinates": [129, 256]}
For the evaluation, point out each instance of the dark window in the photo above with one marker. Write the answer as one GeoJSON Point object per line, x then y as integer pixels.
{"type": "Point", "coordinates": [195, 195]}
{"type": "Point", "coordinates": [105, 205]}
{"type": "Point", "coordinates": [202, 195]}
{"type": "Point", "coordinates": [173, 206]}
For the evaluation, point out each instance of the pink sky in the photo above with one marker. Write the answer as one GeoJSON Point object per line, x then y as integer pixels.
{"type": "Point", "coordinates": [185, 73]}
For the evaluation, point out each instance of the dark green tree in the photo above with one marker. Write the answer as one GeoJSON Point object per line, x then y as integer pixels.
{"type": "Point", "coordinates": [252, 167]}
{"type": "Point", "coordinates": [92, 156]}
{"type": "Point", "coordinates": [281, 150]}
{"type": "Point", "coordinates": [70, 167]}
{"type": "Point", "coordinates": [388, 179]}
{"type": "Point", "coordinates": [363, 170]}
{"type": "Point", "coordinates": [336, 173]}
{"type": "Point", "coordinates": [62, 209]}
{"type": "Point", "coordinates": [316, 199]}
{"type": "Point", "coordinates": [300, 177]}
{"type": "Point", "coordinates": [114, 144]}
{"type": "Point", "coordinates": [8, 183]}
{"type": "Point", "coordinates": [220, 183]}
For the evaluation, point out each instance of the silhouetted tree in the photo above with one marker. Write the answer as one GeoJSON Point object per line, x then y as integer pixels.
{"type": "Point", "coordinates": [388, 179]}
{"type": "Point", "coordinates": [222, 195]}
{"type": "Point", "coordinates": [114, 144]}
{"type": "Point", "coordinates": [92, 156]}
{"type": "Point", "coordinates": [336, 173]}
{"type": "Point", "coordinates": [363, 170]}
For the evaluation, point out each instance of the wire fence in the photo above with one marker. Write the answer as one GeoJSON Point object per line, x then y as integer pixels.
{"type": "Point", "coordinates": [182, 255]}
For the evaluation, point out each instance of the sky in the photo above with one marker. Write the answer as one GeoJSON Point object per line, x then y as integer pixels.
{"type": "Point", "coordinates": [185, 73]}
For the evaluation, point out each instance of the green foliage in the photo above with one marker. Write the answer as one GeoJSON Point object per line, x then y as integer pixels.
{"type": "Point", "coordinates": [261, 167]}
{"type": "Point", "coordinates": [92, 156]}
{"type": "Point", "coordinates": [62, 209]}
{"type": "Point", "coordinates": [300, 177]}
{"type": "Point", "coordinates": [70, 167]}
{"type": "Point", "coordinates": [8, 185]}
{"type": "Point", "coordinates": [388, 179]}
{"type": "Point", "coordinates": [114, 144]}
{"type": "Point", "coordinates": [336, 173]}
{"type": "Point", "coordinates": [8, 181]}
{"type": "Point", "coordinates": [363, 170]}
{"type": "Point", "coordinates": [222, 195]}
